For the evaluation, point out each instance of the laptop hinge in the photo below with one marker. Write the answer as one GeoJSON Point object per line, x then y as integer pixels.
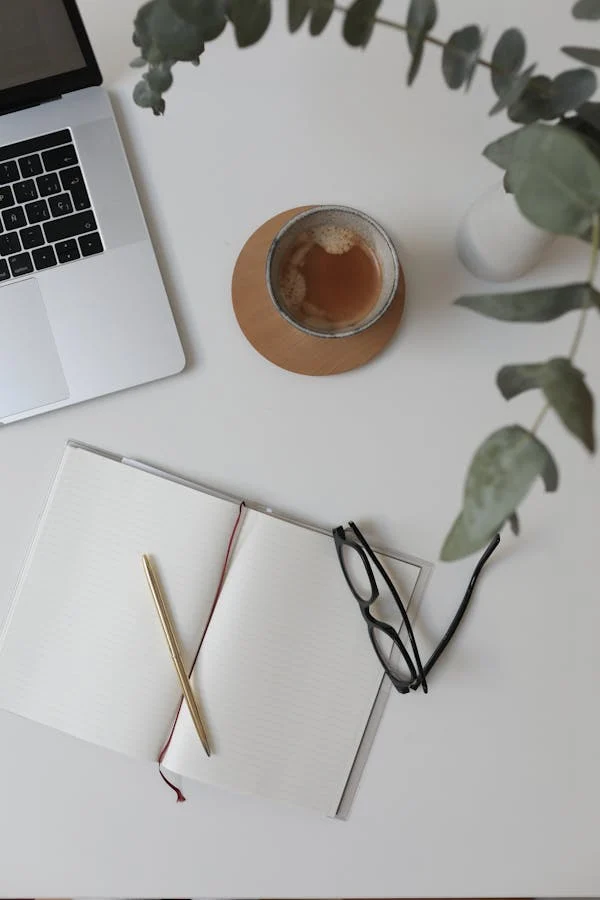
{"type": "Point", "coordinates": [18, 107]}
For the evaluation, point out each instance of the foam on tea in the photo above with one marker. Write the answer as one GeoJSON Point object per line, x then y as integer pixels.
{"type": "Point", "coordinates": [330, 278]}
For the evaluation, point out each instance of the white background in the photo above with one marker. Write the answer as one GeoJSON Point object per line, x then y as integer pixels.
{"type": "Point", "coordinates": [490, 784]}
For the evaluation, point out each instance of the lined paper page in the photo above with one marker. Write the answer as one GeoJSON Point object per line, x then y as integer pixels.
{"type": "Point", "coordinates": [286, 675]}
{"type": "Point", "coordinates": [83, 650]}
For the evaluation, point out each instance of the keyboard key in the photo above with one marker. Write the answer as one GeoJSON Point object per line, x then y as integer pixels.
{"type": "Point", "coordinates": [44, 257]}
{"type": "Point", "coordinates": [48, 184]}
{"type": "Point", "coordinates": [66, 251]}
{"type": "Point", "coordinates": [70, 226]}
{"type": "Point", "coordinates": [13, 218]}
{"type": "Point", "coordinates": [37, 212]}
{"type": "Point", "coordinates": [30, 166]}
{"type": "Point", "coordinates": [59, 157]}
{"type": "Point", "coordinates": [8, 172]}
{"type": "Point", "coordinates": [25, 191]}
{"type": "Point", "coordinates": [4, 270]}
{"type": "Point", "coordinates": [21, 264]}
{"type": "Point", "coordinates": [34, 145]}
{"type": "Point", "coordinates": [80, 197]}
{"type": "Point", "coordinates": [61, 205]}
{"type": "Point", "coordinates": [90, 244]}
{"type": "Point", "coordinates": [9, 243]}
{"type": "Point", "coordinates": [32, 237]}
{"type": "Point", "coordinates": [7, 198]}
{"type": "Point", "coordinates": [71, 178]}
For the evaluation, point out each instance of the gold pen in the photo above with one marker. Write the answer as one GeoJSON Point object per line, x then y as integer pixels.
{"type": "Point", "coordinates": [169, 630]}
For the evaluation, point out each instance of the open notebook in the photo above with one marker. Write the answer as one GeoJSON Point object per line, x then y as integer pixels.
{"type": "Point", "coordinates": [286, 676]}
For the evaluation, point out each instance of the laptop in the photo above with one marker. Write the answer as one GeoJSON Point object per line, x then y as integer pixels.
{"type": "Point", "coordinates": [83, 310]}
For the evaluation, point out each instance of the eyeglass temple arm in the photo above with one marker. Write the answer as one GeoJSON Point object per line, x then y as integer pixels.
{"type": "Point", "coordinates": [461, 609]}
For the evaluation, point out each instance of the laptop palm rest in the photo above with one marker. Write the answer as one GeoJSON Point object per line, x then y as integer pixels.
{"type": "Point", "coordinates": [31, 374]}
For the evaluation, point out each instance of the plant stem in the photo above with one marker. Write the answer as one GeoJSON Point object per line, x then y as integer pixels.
{"type": "Point", "coordinates": [592, 273]}
{"type": "Point", "coordinates": [584, 311]}
{"type": "Point", "coordinates": [430, 39]}
{"type": "Point", "coordinates": [540, 418]}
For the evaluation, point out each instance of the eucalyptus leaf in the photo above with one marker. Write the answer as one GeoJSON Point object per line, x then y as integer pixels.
{"type": "Point", "coordinates": [501, 150]}
{"type": "Point", "coordinates": [321, 14]}
{"type": "Point", "coordinates": [422, 16]}
{"type": "Point", "coordinates": [587, 9]}
{"type": "Point", "coordinates": [567, 393]}
{"type": "Point", "coordinates": [144, 96]}
{"type": "Point", "coordinates": [550, 475]}
{"type": "Point", "coordinates": [514, 90]}
{"type": "Point", "coordinates": [214, 20]}
{"type": "Point", "coordinates": [540, 305]}
{"type": "Point", "coordinates": [208, 15]}
{"type": "Point", "coordinates": [415, 63]}
{"type": "Point", "coordinates": [586, 131]}
{"type": "Point", "coordinates": [360, 21]}
{"type": "Point", "coordinates": [459, 542]}
{"type": "Point", "coordinates": [590, 112]}
{"type": "Point", "coordinates": [555, 179]}
{"type": "Point", "coordinates": [142, 36]}
{"type": "Point", "coordinates": [189, 10]}
{"type": "Point", "coordinates": [564, 388]}
{"type": "Point", "coordinates": [507, 59]}
{"type": "Point", "coordinates": [513, 380]}
{"type": "Point", "coordinates": [297, 13]}
{"type": "Point", "coordinates": [159, 78]}
{"type": "Point", "coordinates": [513, 521]}
{"type": "Point", "coordinates": [164, 35]}
{"type": "Point", "coordinates": [500, 476]}
{"type": "Point", "coordinates": [250, 20]}
{"type": "Point", "coordinates": [534, 102]}
{"type": "Point", "coordinates": [138, 63]}
{"type": "Point", "coordinates": [588, 55]}
{"type": "Point", "coordinates": [569, 90]}
{"type": "Point", "coordinates": [459, 57]}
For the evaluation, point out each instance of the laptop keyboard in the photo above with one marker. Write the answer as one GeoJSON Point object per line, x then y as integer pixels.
{"type": "Point", "coordinates": [46, 215]}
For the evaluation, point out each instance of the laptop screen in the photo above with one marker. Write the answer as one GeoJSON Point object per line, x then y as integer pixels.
{"type": "Point", "coordinates": [44, 50]}
{"type": "Point", "coordinates": [37, 41]}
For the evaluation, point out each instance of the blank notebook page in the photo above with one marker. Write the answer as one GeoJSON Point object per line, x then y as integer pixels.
{"type": "Point", "coordinates": [286, 675]}
{"type": "Point", "coordinates": [83, 650]}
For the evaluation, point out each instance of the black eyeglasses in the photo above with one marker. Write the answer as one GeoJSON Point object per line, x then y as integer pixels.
{"type": "Point", "coordinates": [349, 542]}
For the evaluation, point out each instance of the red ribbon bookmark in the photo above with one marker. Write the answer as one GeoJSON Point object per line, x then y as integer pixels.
{"type": "Point", "coordinates": [180, 797]}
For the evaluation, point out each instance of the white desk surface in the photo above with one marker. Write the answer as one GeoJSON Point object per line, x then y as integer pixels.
{"type": "Point", "coordinates": [489, 785]}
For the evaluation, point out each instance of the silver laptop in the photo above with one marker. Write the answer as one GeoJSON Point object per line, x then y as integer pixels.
{"type": "Point", "coordinates": [83, 310]}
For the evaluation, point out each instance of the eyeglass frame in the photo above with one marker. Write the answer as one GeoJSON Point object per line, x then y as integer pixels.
{"type": "Point", "coordinates": [419, 671]}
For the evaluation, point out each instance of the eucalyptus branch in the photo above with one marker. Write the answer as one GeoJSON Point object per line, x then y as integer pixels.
{"type": "Point", "coordinates": [558, 165]}
{"type": "Point", "coordinates": [430, 39]}
{"type": "Point", "coordinates": [389, 23]}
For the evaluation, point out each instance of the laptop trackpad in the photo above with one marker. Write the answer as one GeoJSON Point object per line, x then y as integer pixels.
{"type": "Point", "coordinates": [30, 371]}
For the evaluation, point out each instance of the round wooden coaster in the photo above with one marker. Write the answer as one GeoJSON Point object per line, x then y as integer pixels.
{"type": "Point", "coordinates": [280, 342]}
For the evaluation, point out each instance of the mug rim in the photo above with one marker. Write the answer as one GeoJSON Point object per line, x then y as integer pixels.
{"type": "Point", "coordinates": [307, 213]}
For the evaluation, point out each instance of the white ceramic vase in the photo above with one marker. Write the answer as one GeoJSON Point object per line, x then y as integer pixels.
{"type": "Point", "coordinates": [495, 241]}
